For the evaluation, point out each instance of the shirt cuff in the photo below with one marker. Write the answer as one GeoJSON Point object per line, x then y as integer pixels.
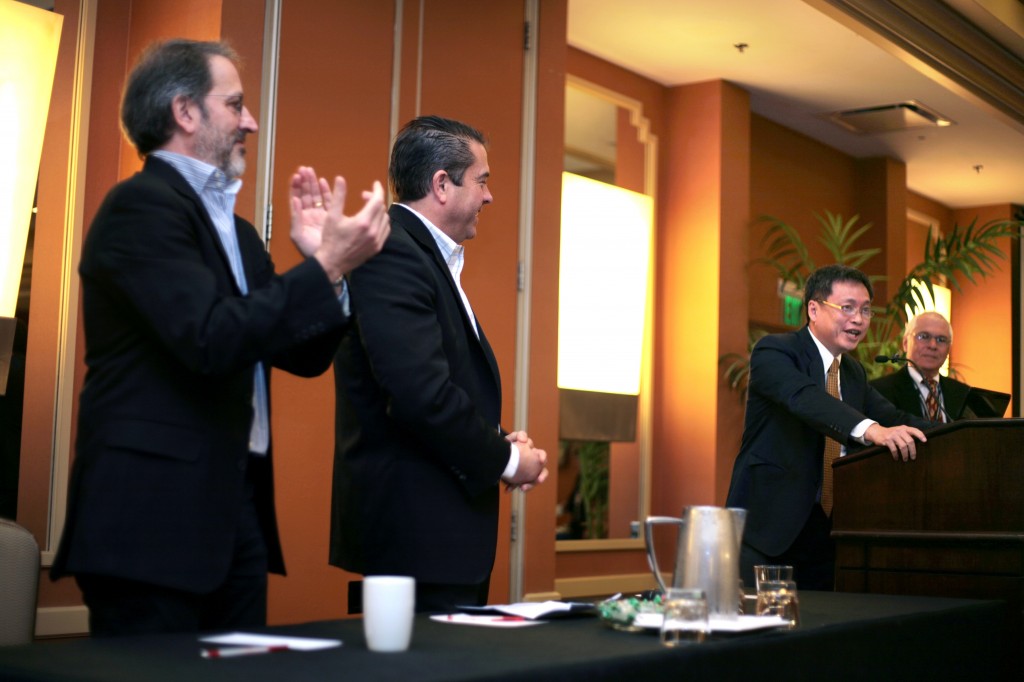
{"type": "Point", "coordinates": [859, 430]}
{"type": "Point", "coordinates": [343, 300]}
{"type": "Point", "coordinates": [513, 463]}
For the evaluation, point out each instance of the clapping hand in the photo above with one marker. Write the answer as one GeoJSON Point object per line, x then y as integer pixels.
{"type": "Point", "coordinates": [319, 228]}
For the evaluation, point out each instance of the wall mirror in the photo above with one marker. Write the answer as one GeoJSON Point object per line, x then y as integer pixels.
{"type": "Point", "coordinates": [604, 447]}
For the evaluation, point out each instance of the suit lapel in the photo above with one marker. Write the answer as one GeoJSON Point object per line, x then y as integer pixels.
{"type": "Point", "coordinates": [419, 232]}
{"type": "Point", "coordinates": [908, 392]}
{"type": "Point", "coordinates": [812, 358]}
{"type": "Point", "coordinates": [172, 177]}
{"type": "Point", "coordinates": [851, 386]}
{"type": "Point", "coordinates": [954, 395]}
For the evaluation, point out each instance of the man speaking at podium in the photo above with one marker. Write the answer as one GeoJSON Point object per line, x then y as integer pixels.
{"type": "Point", "coordinates": [806, 402]}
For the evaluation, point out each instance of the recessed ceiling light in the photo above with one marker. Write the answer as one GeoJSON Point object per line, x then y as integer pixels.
{"type": "Point", "coordinates": [889, 118]}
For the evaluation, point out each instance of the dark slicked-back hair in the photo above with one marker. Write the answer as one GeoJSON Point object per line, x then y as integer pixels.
{"type": "Point", "coordinates": [819, 284]}
{"type": "Point", "coordinates": [164, 71]}
{"type": "Point", "coordinates": [426, 145]}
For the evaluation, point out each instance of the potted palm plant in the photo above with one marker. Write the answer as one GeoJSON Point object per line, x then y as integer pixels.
{"type": "Point", "coordinates": [965, 253]}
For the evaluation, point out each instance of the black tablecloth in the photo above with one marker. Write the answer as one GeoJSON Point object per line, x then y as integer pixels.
{"type": "Point", "coordinates": [841, 636]}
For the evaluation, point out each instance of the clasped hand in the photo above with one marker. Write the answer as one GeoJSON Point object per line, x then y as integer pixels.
{"type": "Point", "coordinates": [532, 470]}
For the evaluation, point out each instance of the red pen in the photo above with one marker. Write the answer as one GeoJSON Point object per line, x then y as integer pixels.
{"type": "Point", "coordinates": [231, 652]}
{"type": "Point", "coordinates": [509, 618]}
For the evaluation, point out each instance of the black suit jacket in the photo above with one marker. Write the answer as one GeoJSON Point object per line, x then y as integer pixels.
{"type": "Point", "coordinates": [418, 455]}
{"type": "Point", "coordinates": [777, 474]}
{"type": "Point", "coordinates": [901, 390]}
{"type": "Point", "coordinates": [164, 417]}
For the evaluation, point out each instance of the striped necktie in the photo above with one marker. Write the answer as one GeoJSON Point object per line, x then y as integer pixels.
{"type": "Point", "coordinates": [932, 401]}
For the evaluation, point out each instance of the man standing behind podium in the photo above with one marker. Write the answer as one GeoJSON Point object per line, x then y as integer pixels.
{"type": "Point", "coordinates": [170, 523]}
{"type": "Point", "coordinates": [780, 475]}
{"type": "Point", "coordinates": [419, 456]}
{"type": "Point", "coordinates": [917, 387]}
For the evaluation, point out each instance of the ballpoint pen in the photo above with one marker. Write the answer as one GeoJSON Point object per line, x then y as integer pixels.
{"type": "Point", "coordinates": [231, 652]}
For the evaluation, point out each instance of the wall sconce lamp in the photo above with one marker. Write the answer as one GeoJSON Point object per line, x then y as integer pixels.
{"type": "Point", "coordinates": [29, 39]}
{"type": "Point", "coordinates": [604, 270]}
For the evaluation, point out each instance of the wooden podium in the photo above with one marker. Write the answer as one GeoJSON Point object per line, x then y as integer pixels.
{"type": "Point", "coordinates": [948, 524]}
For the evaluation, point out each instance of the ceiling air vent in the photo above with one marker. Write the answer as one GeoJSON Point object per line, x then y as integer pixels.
{"type": "Point", "coordinates": [889, 118]}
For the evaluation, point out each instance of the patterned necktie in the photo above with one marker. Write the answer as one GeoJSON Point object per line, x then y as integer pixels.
{"type": "Point", "coordinates": [932, 401]}
{"type": "Point", "coordinates": [831, 446]}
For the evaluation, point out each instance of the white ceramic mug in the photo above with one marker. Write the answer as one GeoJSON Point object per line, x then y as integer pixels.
{"type": "Point", "coordinates": [388, 605]}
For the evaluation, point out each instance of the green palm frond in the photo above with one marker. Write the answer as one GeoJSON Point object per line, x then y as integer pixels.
{"type": "Point", "coordinates": [785, 251]}
{"type": "Point", "coordinates": [967, 252]}
{"type": "Point", "coordinates": [839, 237]}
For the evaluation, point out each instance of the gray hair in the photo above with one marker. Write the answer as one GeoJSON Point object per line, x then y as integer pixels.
{"type": "Point", "coordinates": [911, 327]}
{"type": "Point", "coordinates": [165, 71]}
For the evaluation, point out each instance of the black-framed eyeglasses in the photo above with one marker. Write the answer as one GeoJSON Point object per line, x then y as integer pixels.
{"type": "Point", "coordinates": [850, 310]}
{"type": "Point", "coordinates": [925, 337]}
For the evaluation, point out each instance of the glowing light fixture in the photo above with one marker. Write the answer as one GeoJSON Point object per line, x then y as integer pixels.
{"type": "Point", "coordinates": [29, 38]}
{"type": "Point", "coordinates": [604, 265]}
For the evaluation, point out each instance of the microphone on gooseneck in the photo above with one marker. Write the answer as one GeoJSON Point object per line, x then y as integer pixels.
{"type": "Point", "coordinates": [896, 358]}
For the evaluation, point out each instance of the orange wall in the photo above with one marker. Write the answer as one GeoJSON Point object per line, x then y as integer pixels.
{"type": "Point", "coordinates": [336, 120]}
{"type": "Point", "coordinates": [539, 506]}
{"type": "Point", "coordinates": [734, 289]}
{"type": "Point", "coordinates": [37, 442]}
{"type": "Point", "coordinates": [152, 21]}
{"type": "Point", "coordinates": [933, 213]}
{"type": "Point", "coordinates": [982, 350]}
{"type": "Point", "coordinates": [882, 201]}
{"type": "Point", "coordinates": [697, 219]}
{"type": "Point", "coordinates": [792, 178]}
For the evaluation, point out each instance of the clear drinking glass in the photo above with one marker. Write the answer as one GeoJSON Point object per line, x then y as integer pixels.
{"type": "Point", "coordinates": [686, 617]}
{"type": "Point", "coordinates": [772, 572]}
{"type": "Point", "coordinates": [778, 598]}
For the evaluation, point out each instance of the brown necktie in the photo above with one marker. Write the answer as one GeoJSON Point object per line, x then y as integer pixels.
{"type": "Point", "coordinates": [831, 446]}
{"type": "Point", "coordinates": [932, 401]}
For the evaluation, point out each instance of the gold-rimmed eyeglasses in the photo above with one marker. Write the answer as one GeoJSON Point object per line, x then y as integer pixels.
{"type": "Point", "coordinates": [849, 310]}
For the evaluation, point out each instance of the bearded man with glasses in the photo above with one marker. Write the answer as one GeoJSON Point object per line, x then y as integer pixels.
{"type": "Point", "coordinates": [799, 418]}
{"type": "Point", "coordinates": [171, 524]}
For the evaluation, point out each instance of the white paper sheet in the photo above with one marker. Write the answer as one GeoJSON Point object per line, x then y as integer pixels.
{"type": "Point", "coordinates": [528, 610]}
{"type": "Point", "coordinates": [744, 623]}
{"type": "Point", "coordinates": [486, 621]}
{"type": "Point", "coordinates": [251, 639]}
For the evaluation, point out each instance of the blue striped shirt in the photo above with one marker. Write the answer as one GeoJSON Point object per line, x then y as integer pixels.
{"type": "Point", "coordinates": [218, 195]}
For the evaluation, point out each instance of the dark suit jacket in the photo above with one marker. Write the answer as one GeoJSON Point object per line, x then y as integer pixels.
{"type": "Point", "coordinates": [165, 412]}
{"type": "Point", "coordinates": [899, 388]}
{"type": "Point", "coordinates": [777, 473]}
{"type": "Point", "coordinates": [418, 455]}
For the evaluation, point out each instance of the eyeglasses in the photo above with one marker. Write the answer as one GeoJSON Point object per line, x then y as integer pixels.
{"type": "Point", "coordinates": [232, 101]}
{"type": "Point", "coordinates": [846, 309]}
{"type": "Point", "coordinates": [925, 337]}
